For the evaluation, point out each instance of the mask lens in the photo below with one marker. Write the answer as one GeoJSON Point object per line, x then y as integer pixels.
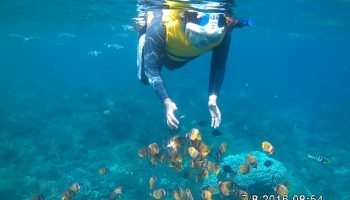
{"type": "Point", "coordinates": [204, 20]}
{"type": "Point", "coordinates": [219, 17]}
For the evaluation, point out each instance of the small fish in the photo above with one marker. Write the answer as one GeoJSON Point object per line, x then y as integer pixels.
{"type": "Point", "coordinates": [118, 190]}
{"type": "Point", "coordinates": [171, 153]}
{"type": "Point", "coordinates": [75, 187]}
{"type": "Point", "coordinates": [226, 187]}
{"type": "Point", "coordinates": [320, 159]}
{"type": "Point", "coordinates": [211, 166]}
{"type": "Point", "coordinates": [178, 166]}
{"type": "Point", "coordinates": [114, 46]}
{"type": "Point", "coordinates": [181, 192]}
{"type": "Point", "coordinates": [176, 142]}
{"type": "Point", "coordinates": [195, 143]}
{"type": "Point", "coordinates": [94, 53]}
{"type": "Point", "coordinates": [144, 152]}
{"type": "Point", "coordinates": [66, 35]}
{"type": "Point", "coordinates": [222, 149]}
{"type": "Point", "coordinates": [216, 168]}
{"type": "Point", "coordinates": [204, 173]}
{"type": "Point", "coordinates": [103, 171]}
{"type": "Point", "coordinates": [194, 135]}
{"type": "Point", "coordinates": [158, 194]}
{"type": "Point", "coordinates": [67, 195]}
{"type": "Point", "coordinates": [172, 164]}
{"type": "Point", "coordinates": [210, 189]}
{"type": "Point", "coordinates": [128, 27]}
{"type": "Point", "coordinates": [204, 149]}
{"type": "Point", "coordinates": [154, 159]}
{"type": "Point", "coordinates": [216, 133]}
{"type": "Point", "coordinates": [182, 116]}
{"type": "Point", "coordinates": [176, 195]}
{"type": "Point", "coordinates": [117, 193]}
{"type": "Point", "coordinates": [30, 38]}
{"type": "Point", "coordinates": [107, 112]}
{"type": "Point", "coordinates": [241, 195]}
{"type": "Point", "coordinates": [152, 182]}
{"type": "Point", "coordinates": [206, 194]}
{"type": "Point", "coordinates": [176, 157]}
{"type": "Point", "coordinates": [38, 197]}
{"type": "Point", "coordinates": [163, 158]}
{"type": "Point", "coordinates": [286, 183]}
{"type": "Point", "coordinates": [268, 148]}
{"type": "Point", "coordinates": [154, 149]}
{"type": "Point", "coordinates": [194, 153]}
{"type": "Point", "coordinates": [244, 169]}
{"type": "Point", "coordinates": [281, 190]}
{"type": "Point", "coordinates": [251, 159]}
{"type": "Point", "coordinates": [205, 164]}
{"type": "Point", "coordinates": [189, 195]}
{"type": "Point", "coordinates": [196, 164]}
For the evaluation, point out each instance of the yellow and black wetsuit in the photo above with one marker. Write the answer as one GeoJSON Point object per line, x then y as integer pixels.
{"type": "Point", "coordinates": [165, 43]}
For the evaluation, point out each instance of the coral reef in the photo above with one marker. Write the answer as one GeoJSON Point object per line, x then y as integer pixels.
{"type": "Point", "coordinates": [258, 179]}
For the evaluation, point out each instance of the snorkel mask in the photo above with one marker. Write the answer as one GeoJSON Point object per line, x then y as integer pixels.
{"type": "Point", "coordinates": [209, 29]}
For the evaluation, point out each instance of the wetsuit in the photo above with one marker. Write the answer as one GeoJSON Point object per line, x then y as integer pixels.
{"type": "Point", "coordinates": [164, 43]}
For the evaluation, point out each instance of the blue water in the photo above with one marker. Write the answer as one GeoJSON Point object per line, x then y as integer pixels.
{"type": "Point", "coordinates": [70, 101]}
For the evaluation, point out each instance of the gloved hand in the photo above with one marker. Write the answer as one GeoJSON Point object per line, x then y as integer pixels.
{"type": "Point", "coordinates": [170, 117]}
{"type": "Point", "coordinates": [214, 111]}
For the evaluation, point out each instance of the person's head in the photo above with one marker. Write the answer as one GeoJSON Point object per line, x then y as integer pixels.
{"type": "Point", "coordinates": [205, 28]}
{"type": "Point", "coordinates": [212, 22]}
{"type": "Point", "coordinates": [207, 23]}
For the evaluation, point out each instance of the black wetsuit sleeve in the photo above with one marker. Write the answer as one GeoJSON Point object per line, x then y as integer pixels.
{"type": "Point", "coordinates": [153, 55]}
{"type": "Point", "coordinates": [218, 64]}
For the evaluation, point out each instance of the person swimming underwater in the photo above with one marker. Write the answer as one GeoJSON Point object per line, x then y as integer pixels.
{"type": "Point", "coordinates": [173, 37]}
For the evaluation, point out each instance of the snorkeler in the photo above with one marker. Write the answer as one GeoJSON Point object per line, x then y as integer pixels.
{"type": "Point", "coordinates": [173, 37]}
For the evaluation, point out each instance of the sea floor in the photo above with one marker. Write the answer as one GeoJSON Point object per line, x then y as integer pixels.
{"type": "Point", "coordinates": [47, 144]}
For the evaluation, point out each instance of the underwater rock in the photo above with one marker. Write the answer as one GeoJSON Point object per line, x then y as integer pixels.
{"type": "Point", "coordinates": [262, 176]}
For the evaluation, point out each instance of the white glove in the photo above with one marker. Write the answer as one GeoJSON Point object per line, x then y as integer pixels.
{"type": "Point", "coordinates": [214, 111]}
{"type": "Point", "coordinates": [170, 117]}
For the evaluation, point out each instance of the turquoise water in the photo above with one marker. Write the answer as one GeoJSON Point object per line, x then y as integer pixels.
{"type": "Point", "coordinates": [70, 101]}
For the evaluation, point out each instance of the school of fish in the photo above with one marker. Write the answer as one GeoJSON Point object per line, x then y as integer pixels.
{"type": "Point", "coordinates": [202, 158]}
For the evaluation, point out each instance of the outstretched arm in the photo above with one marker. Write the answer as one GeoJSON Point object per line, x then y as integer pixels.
{"type": "Point", "coordinates": [153, 56]}
{"type": "Point", "coordinates": [217, 72]}
{"type": "Point", "coordinates": [218, 64]}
